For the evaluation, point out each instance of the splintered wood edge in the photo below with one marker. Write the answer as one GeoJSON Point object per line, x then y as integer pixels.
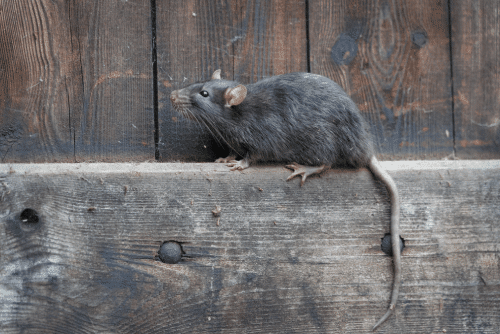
{"type": "Point", "coordinates": [153, 168]}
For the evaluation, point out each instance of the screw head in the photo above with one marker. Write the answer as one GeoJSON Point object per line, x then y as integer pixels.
{"type": "Point", "coordinates": [386, 245]}
{"type": "Point", "coordinates": [170, 252]}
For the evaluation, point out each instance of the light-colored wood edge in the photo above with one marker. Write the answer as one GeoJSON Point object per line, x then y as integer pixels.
{"type": "Point", "coordinates": [153, 167]}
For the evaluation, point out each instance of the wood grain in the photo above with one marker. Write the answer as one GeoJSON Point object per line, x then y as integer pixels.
{"type": "Point", "coordinates": [77, 81]}
{"type": "Point", "coordinates": [34, 117]}
{"type": "Point", "coordinates": [115, 120]}
{"type": "Point", "coordinates": [270, 39]}
{"type": "Point", "coordinates": [476, 72]}
{"type": "Point", "coordinates": [392, 57]}
{"type": "Point", "coordinates": [284, 258]}
{"type": "Point", "coordinates": [247, 40]}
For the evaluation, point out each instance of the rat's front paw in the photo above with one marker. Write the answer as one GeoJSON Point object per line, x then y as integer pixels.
{"type": "Point", "coordinates": [229, 158]}
{"type": "Point", "coordinates": [239, 165]}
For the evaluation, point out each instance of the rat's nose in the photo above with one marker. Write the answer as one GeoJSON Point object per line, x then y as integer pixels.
{"type": "Point", "coordinates": [174, 96]}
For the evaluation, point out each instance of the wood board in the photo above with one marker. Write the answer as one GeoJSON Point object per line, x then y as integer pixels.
{"type": "Point", "coordinates": [476, 84]}
{"type": "Point", "coordinates": [76, 81]}
{"type": "Point", "coordinates": [393, 59]}
{"type": "Point", "coordinates": [115, 120]}
{"type": "Point", "coordinates": [283, 258]}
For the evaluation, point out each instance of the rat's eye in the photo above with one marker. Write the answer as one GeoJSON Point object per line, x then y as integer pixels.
{"type": "Point", "coordinates": [204, 93]}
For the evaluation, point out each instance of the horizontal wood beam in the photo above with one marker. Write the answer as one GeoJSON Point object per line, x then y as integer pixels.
{"type": "Point", "coordinates": [153, 167]}
{"type": "Point", "coordinates": [80, 246]}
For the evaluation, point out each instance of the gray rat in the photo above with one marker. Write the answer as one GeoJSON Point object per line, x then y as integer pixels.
{"type": "Point", "coordinates": [299, 118]}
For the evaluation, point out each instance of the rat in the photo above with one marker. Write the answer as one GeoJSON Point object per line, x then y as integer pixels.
{"type": "Point", "coordinates": [304, 119]}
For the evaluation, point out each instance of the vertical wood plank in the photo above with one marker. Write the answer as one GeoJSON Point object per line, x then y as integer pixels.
{"type": "Point", "coordinates": [392, 57]}
{"type": "Point", "coordinates": [76, 81]}
{"type": "Point", "coordinates": [192, 42]}
{"type": "Point", "coordinates": [476, 78]}
{"type": "Point", "coordinates": [34, 59]}
{"type": "Point", "coordinates": [248, 40]}
{"type": "Point", "coordinates": [272, 38]}
{"type": "Point", "coordinates": [115, 119]}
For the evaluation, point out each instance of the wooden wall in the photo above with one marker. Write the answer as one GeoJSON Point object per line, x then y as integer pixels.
{"type": "Point", "coordinates": [89, 80]}
{"type": "Point", "coordinates": [76, 81]}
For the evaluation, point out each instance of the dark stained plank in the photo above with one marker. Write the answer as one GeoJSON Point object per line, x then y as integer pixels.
{"type": "Point", "coordinates": [270, 39]}
{"type": "Point", "coordinates": [247, 40]}
{"type": "Point", "coordinates": [34, 56]}
{"type": "Point", "coordinates": [476, 78]}
{"type": "Point", "coordinates": [192, 42]}
{"type": "Point", "coordinates": [392, 57]}
{"type": "Point", "coordinates": [115, 120]}
{"type": "Point", "coordinates": [76, 81]}
{"type": "Point", "coordinates": [284, 258]}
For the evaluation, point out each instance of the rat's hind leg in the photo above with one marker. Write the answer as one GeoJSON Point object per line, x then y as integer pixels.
{"type": "Point", "coordinates": [305, 171]}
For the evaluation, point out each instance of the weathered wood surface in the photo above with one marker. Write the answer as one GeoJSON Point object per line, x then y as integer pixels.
{"type": "Point", "coordinates": [284, 259]}
{"type": "Point", "coordinates": [393, 59]}
{"type": "Point", "coordinates": [115, 121]}
{"type": "Point", "coordinates": [476, 77]}
{"type": "Point", "coordinates": [35, 58]}
{"type": "Point", "coordinates": [247, 40]}
{"type": "Point", "coordinates": [76, 81]}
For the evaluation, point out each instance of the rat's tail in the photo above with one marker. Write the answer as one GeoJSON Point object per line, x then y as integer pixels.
{"type": "Point", "coordinates": [381, 174]}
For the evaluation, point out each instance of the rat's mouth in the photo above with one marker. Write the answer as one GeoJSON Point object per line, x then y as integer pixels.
{"type": "Point", "coordinates": [181, 105]}
{"type": "Point", "coordinates": [184, 111]}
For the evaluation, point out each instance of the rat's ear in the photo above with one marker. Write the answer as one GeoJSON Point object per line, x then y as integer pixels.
{"type": "Point", "coordinates": [235, 96]}
{"type": "Point", "coordinates": [216, 75]}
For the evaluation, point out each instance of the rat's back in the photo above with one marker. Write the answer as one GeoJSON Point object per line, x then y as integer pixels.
{"type": "Point", "coordinates": [308, 119]}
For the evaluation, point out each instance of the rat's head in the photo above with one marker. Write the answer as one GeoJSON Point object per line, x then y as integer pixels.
{"type": "Point", "coordinates": [208, 101]}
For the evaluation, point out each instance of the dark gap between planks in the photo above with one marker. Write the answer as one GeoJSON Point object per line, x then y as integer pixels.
{"type": "Point", "coordinates": [452, 81]}
{"type": "Point", "coordinates": [308, 41]}
{"type": "Point", "coordinates": [154, 60]}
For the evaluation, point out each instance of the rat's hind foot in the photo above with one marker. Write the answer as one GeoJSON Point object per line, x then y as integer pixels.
{"type": "Point", "coordinates": [305, 171]}
{"type": "Point", "coordinates": [239, 165]}
{"type": "Point", "coordinates": [229, 158]}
